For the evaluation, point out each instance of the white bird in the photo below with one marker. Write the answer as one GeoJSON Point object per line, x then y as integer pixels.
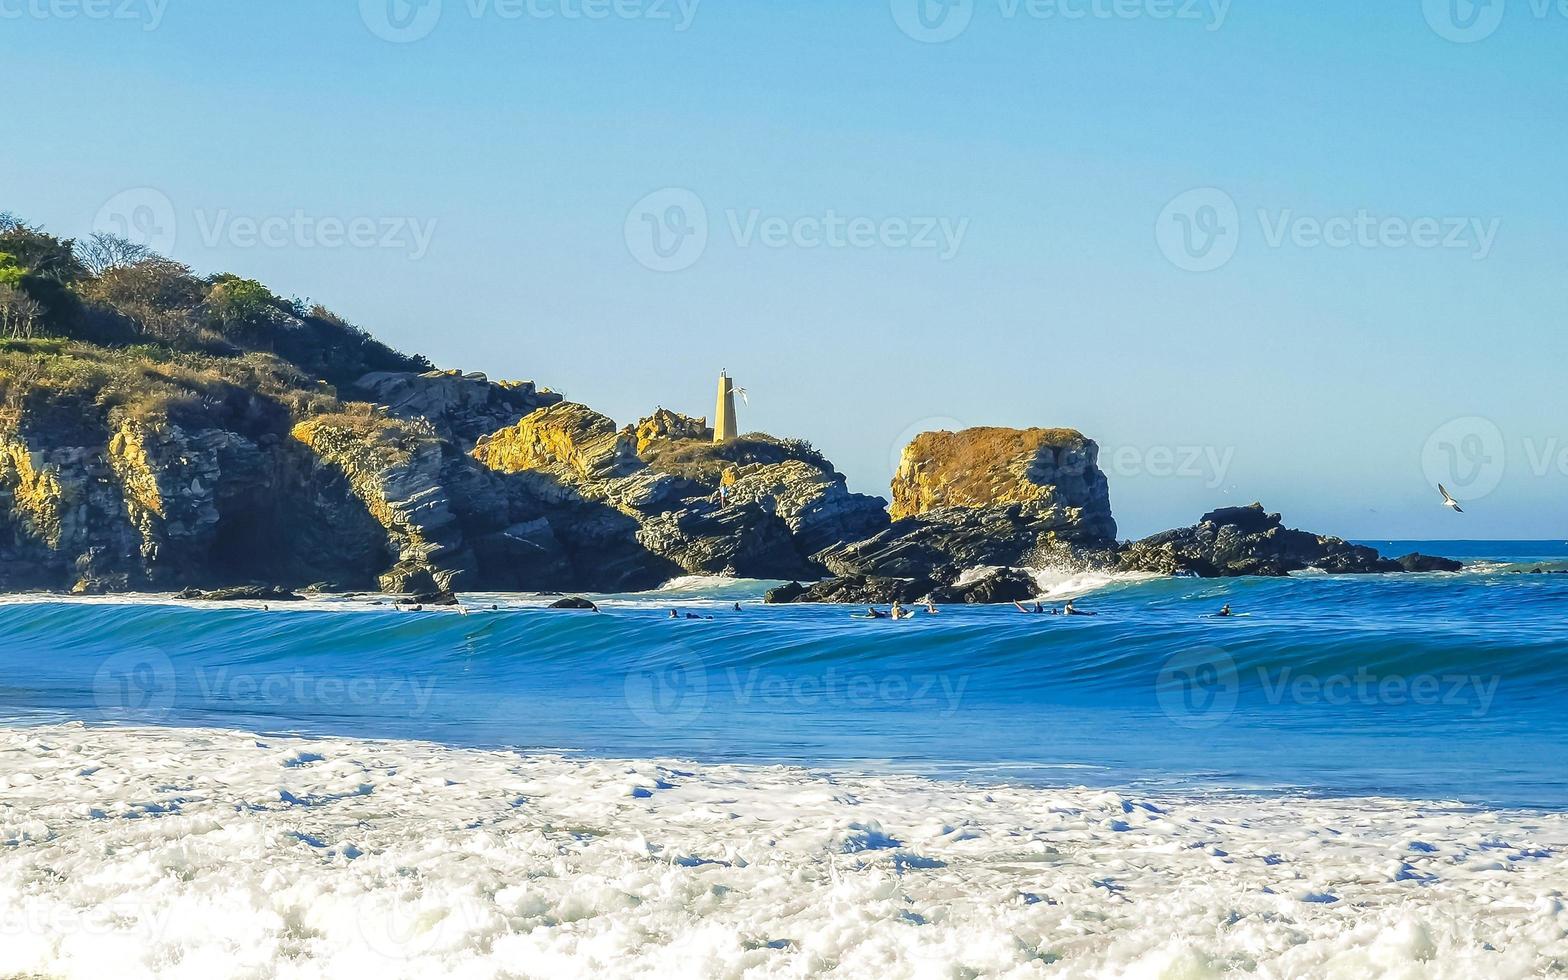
{"type": "Point", "coordinates": [1449, 501]}
{"type": "Point", "coordinates": [742, 393]}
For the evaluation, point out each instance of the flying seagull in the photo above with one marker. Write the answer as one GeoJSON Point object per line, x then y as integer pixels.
{"type": "Point", "coordinates": [1449, 501]}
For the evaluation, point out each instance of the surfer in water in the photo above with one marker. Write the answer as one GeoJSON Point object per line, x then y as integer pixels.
{"type": "Point", "coordinates": [1036, 611]}
{"type": "Point", "coordinates": [931, 609]}
{"type": "Point", "coordinates": [899, 612]}
{"type": "Point", "coordinates": [1225, 612]}
{"type": "Point", "coordinates": [872, 612]}
{"type": "Point", "coordinates": [1072, 610]}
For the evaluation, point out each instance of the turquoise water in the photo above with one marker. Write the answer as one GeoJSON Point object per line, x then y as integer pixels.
{"type": "Point", "coordinates": [1445, 686]}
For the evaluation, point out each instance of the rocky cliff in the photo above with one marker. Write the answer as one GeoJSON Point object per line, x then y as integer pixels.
{"type": "Point", "coordinates": [176, 431]}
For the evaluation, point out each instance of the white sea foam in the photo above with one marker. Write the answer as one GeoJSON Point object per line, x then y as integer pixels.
{"type": "Point", "coordinates": [192, 853]}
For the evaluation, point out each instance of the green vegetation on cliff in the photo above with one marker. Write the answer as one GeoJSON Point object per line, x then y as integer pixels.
{"type": "Point", "coordinates": [114, 294]}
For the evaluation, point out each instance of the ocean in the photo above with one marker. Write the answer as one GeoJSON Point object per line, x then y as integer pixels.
{"type": "Point", "coordinates": [624, 790]}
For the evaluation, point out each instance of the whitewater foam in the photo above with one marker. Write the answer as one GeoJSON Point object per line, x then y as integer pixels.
{"type": "Point", "coordinates": [203, 853]}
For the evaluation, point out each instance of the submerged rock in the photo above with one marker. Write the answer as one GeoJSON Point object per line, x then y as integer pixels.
{"type": "Point", "coordinates": [242, 593]}
{"type": "Point", "coordinates": [1417, 562]}
{"type": "Point", "coordinates": [574, 602]}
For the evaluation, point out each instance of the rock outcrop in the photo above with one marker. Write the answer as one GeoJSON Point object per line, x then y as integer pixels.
{"type": "Point", "coordinates": [1247, 540]}
{"type": "Point", "coordinates": [667, 426]}
{"type": "Point", "coordinates": [986, 498]}
{"type": "Point", "coordinates": [460, 407]}
{"type": "Point", "coordinates": [1050, 475]}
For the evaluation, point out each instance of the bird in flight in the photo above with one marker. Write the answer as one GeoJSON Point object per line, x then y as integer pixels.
{"type": "Point", "coordinates": [1449, 501]}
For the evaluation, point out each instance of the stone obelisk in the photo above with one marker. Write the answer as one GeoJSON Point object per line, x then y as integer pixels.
{"type": "Point", "coordinates": [724, 414]}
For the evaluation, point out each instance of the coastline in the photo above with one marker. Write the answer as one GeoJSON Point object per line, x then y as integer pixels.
{"type": "Point", "coordinates": [271, 854]}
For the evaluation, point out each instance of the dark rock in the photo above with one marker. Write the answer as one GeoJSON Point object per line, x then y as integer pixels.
{"type": "Point", "coordinates": [785, 594]}
{"type": "Point", "coordinates": [946, 543]}
{"type": "Point", "coordinates": [440, 598]}
{"type": "Point", "coordinates": [1239, 541]}
{"type": "Point", "coordinates": [1000, 586]}
{"type": "Point", "coordinates": [574, 602]}
{"type": "Point", "coordinates": [859, 590]}
{"type": "Point", "coordinates": [1417, 562]}
{"type": "Point", "coordinates": [742, 540]}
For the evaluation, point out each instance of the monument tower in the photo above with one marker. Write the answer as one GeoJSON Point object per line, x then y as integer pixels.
{"type": "Point", "coordinates": [724, 415]}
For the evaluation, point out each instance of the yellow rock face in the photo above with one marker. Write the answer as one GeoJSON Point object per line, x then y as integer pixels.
{"type": "Point", "coordinates": [567, 439]}
{"type": "Point", "coordinates": [995, 466]}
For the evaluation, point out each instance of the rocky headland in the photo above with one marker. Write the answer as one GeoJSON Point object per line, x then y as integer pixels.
{"type": "Point", "coordinates": [161, 431]}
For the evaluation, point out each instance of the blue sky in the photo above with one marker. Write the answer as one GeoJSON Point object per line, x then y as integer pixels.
{"type": "Point", "coordinates": [1307, 254]}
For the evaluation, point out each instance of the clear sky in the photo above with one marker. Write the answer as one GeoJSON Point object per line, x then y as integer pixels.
{"type": "Point", "coordinates": [1311, 254]}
